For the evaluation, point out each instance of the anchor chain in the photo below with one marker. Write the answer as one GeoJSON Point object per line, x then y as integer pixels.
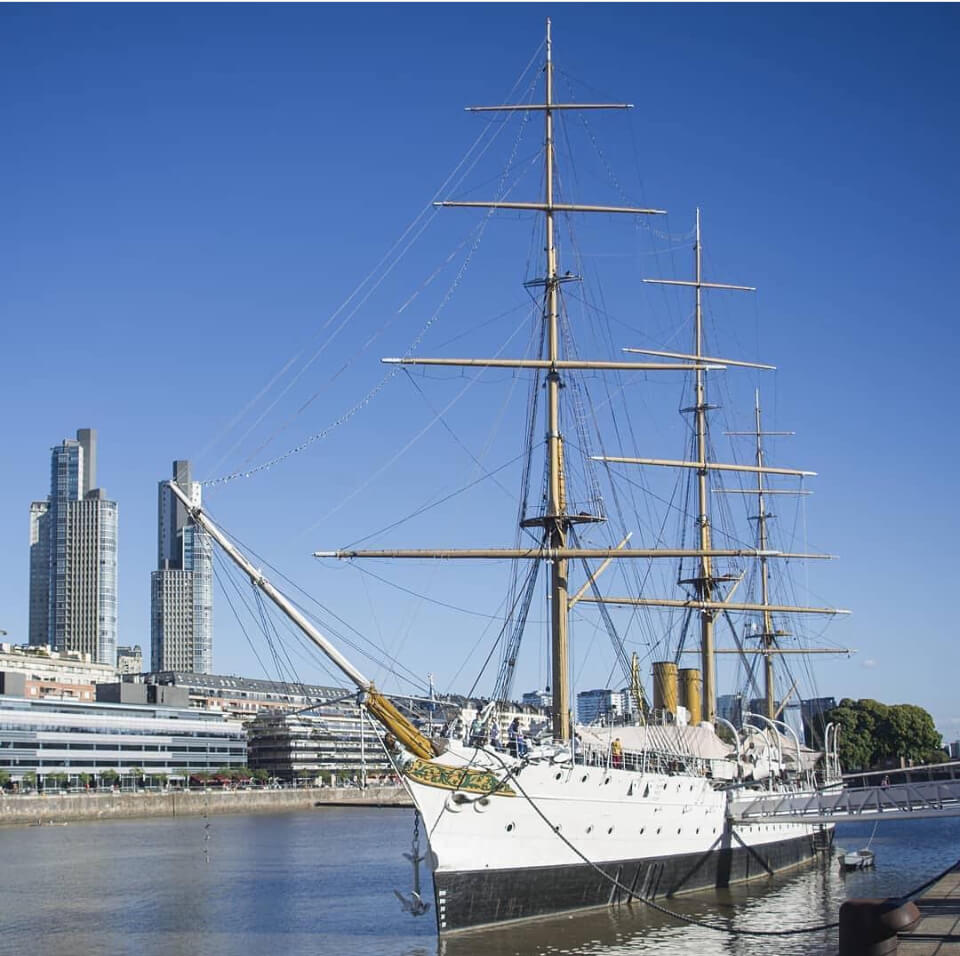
{"type": "Point", "coordinates": [413, 904]}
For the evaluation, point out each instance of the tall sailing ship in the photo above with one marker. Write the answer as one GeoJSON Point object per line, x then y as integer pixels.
{"type": "Point", "coordinates": [590, 815]}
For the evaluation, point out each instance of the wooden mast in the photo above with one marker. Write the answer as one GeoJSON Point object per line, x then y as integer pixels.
{"type": "Point", "coordinates": [556, 522]}
{"type": "Point", "coordinates": [556, 506]}
{"type": "Point", "coordinates": [767, 637]}
{"type": "Point", "coordinates": [704, 581]}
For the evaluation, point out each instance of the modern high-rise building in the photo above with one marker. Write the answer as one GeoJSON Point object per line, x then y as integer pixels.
{"type": "Point", "coordinates": [181, 589]}
{"type": "Point", "coordinates": [813, 713]}
{"type": "Point", "coordinates": [73, 556]}
{"type": "Point", "coordinates": [603, 704]}
{"type": "Point", "coordinates": [730, 708]}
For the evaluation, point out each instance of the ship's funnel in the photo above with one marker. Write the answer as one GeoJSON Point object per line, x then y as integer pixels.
{"type": "Point", "coordinates": [665, 686]}
{"type": "Point", "coordinates": [690, 693]}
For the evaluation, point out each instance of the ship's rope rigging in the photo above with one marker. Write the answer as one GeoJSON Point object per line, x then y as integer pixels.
{"type": "Point", "coordinates": [438, 418]}
{"type": "Point", "coordinates": [346, 311]}
{"type": "Point", "coordinates": [234, 582]}
{"type": "Point", "coordinates": [582, 410]}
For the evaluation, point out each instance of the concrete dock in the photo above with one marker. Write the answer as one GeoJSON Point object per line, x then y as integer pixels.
{"type": "Point", "coordinates": [938, 931]}
{"type": "Point", "coordinates": [49, 808]}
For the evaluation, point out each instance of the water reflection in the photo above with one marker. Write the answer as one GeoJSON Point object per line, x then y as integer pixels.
{"type": "Point", "coordinates": [322, 881]}
{"type": "Point", "coordinates": [801, 900]}
{"type": "Point", "coordinates": [908, 853]}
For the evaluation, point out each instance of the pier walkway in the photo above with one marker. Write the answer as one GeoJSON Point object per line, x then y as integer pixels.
{"type": "Point", "coordinates": [913, 800]}
{"type": "Point", "coordinates": [938, 931]}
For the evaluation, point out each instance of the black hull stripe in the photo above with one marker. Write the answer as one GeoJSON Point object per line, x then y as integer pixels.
{"type": "Point", "coordinates": [474, 898]}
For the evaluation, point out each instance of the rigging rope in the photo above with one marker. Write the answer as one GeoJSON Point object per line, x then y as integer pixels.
{"type": "Point", "coordinates": [478, 232]}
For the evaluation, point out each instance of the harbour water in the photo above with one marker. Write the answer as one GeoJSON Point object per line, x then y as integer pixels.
{"type": "Point", "coordinates": [322, 881]}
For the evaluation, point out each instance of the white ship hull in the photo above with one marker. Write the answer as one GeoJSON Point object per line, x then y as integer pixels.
{"type": "Point", "coordinates": [554, 845]}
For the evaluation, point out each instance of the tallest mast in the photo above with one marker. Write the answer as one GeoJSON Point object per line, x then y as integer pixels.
{"type": "Point", "coordinates": [554, 519]}
{"type": "Point", "coordinates": [556, 510]}
{"type": "Point", "coordinates": [704, 583]}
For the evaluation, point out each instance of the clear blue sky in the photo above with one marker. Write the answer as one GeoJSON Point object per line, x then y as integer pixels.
{"type": "Point", "coordinates": [190, 191]}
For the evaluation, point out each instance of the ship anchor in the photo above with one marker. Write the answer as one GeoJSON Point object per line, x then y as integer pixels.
{"type": "Point", "coordinates": [413, 904]}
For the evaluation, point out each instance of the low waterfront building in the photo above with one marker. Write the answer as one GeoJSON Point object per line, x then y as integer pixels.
{"type": "Point", "coordinates": [541, 699]}
{"type": "Point", "coordinates": [45, 737]}
{"type": "Point", "coordinates": [253, 701]}
{"type": "Point", "coordinates": [329, 744]}
{"type": "Point", "coordinates": [532, 721]}
{"type": "Point", "coordinates": [130, 660]}
{"type": "Point", "coordinates": [38, 672]}
{"type": "Point", "coordinates": [242, 698]}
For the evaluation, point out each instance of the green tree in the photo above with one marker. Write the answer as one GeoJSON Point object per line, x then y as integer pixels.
{"type": "Point", "coordinates": [4, 779]}
{"type": "Point", "coordinates": [30, 780]}
{"type": "Point", "coordinates": [109, 778]}
{"type": "Point", "coordinates": [912, 735]}
{"type": "Point", "coordinates": [261, 776]}
{"type": "Point", "coordinates": [871, 732]}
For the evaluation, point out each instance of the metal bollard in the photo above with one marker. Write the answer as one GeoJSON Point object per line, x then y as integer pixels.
{"type": "Point", "coordinates": [870, 927]}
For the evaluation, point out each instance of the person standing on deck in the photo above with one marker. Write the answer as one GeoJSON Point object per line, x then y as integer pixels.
{"type": "Point", "coordinates": [514, 737]}
{"type": "Point", "coordinates": [476, 732]}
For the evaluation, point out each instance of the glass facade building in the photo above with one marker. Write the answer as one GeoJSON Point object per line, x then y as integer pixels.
{"type": "Point", "coordinates": [603, 704]}
{"type": "Point", "coordinates": [181, 589]}
{"type": "Point", "coordinates": [73, 556]}
{"type": "Point", "coordinates": [60, 736]}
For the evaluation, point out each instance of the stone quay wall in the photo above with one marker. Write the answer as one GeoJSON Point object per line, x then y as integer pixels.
{"type": "Point", "coordinates": [58, 808]}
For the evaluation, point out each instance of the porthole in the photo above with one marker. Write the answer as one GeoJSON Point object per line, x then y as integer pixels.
{"type": "Point", "coordinates": [658, 830]}
{"type": "Point", "coordinates": [454, 803]}
{"type": "Point", "coordinates": [641, 830]}
{"type": "Point", "coordinates": [590, 828]}
{"type": "Point", "coordinates": [678, 831]}
{"type": "Point", "coordinates": [585, 778]}
{"type": "Point", "coordinates": [482, 804]}
{"type": "Point", "coordinates": [557, 775]}
{"type": "Point", "coordinates": [610, 831]}
{"type": "Point", "coordinates": [606, 780]}
{"type": "Point", "coordinates": [510, 827]}
{"type": "Point", "coordinates": [556, 827]}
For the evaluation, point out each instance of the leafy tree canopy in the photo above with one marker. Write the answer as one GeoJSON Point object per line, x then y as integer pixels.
{"type": "Point", "coordinates": [871, 732]}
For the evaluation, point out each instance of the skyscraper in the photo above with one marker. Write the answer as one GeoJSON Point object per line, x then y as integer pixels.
{"type": "Point", "coordinates": [73, 556]}
{"type": "Point", "coordinates": [181, 589]}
